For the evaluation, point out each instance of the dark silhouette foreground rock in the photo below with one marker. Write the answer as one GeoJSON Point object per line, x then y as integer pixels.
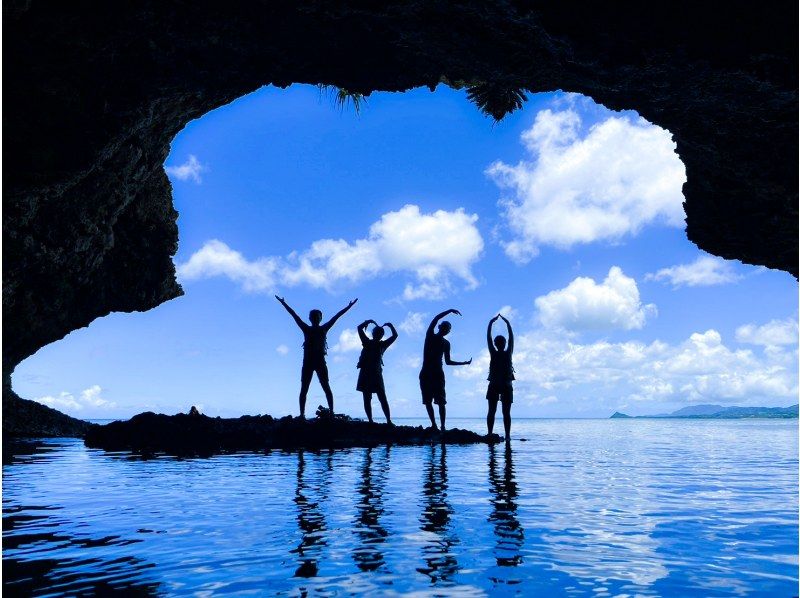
{"type": "Point", "coordinates": [199, 435]}
{"type": "Point", "coordinates": [28, 419]}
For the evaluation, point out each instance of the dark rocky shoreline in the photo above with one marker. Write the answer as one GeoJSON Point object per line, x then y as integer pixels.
{"type": "Point", "coordinates": [199, 435]}
{"type": "Point", "coordinates": [23, 418]}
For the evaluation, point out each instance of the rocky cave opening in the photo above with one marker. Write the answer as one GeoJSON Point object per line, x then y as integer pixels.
{"type": "Point", "coordinates": [98, 93]}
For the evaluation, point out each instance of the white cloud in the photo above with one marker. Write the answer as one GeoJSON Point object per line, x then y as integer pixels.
{"type": "Point", "coordinates": [586, 305]}
{"type": "Point", "coordinates": [700, 369]}
{"type": "Point", "coordinates": [88, 399]}
{"type": "Point", "coordinates": [348, 341]}
{"type": "Point", "coordinates": [772, 334]}
{"type": "Point", "coordinates": [215, 258]}
{"type": "Point", "coordinates": [508, 312]}
{"type": "Point", "coordinates": [190, 169]}
{"type": "Point", "coordinates": [282, 349]}
{"type": "Point", "coordinates": [413, 323]}
{"type": "Point", "coordinates": [412, 361]}
{"type": "Point", "coordinates": [578, 186]}
{"type": "Point", "coordinates": [704, 271]}
{"type": "Point", "coordinates": [434, 248]}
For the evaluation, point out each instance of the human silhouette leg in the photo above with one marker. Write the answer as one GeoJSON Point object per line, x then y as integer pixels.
{"type": "Point", "coordinates": [326, 388]}
{"type": "Point", "coordinates": [384, 405]}
{"type": "Point", "coordinates": [322, 375]}
{"type": "Point", "coordinates": [305, 382]}
{"type": "Point", "coordinates": [427, 398]}
{"type": "Point", "coordinates": [368, 405]}
{"type": "Point", "coordinates": [507, 419]}
{"type": "Point", "coordinates": [442, 413]}
{"type": "Point", "coordinates": [429, 409]}
{"type": "Point", "coordinates": [490, 415]}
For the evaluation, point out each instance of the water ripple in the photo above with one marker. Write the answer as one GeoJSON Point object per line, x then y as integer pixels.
{"type": "Point", "coordinates": [584, 508]}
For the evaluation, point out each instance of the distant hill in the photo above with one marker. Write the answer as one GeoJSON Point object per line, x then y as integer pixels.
{"type": "Point", "coordinates": [720, 412]}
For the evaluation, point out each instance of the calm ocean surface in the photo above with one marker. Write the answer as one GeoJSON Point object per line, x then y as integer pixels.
{"type": "Point", "coordinates": [584, 507]}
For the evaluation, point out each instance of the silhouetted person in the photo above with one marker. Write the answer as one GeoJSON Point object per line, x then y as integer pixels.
{"type": "Point", "coordinates": [370, 362]}
{"type": "Point", "coordinates": [315, 347]}
{"type": "Point", "coordinates": [501, 376]}
{"type": "Point", "coordinates": [431, 377]}
{"type": "Point", "coordinates": [507, 528]}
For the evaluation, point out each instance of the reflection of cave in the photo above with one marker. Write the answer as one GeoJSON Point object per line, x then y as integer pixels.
{"type": "Point", "coordinates": [94, 95]}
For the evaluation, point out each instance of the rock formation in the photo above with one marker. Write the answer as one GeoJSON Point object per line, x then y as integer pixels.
{"type": "Point", "coordinates": [95, 92]}
{"type": "Point", "coordinates": [28, 419]}
{"type": "Point", "coordinates": [195, 434]}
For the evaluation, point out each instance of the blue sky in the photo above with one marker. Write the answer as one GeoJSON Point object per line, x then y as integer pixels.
{"type": "Point", "coordinates": [565, 215]}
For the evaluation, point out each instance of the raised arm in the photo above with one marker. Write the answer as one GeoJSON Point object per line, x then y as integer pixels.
{"type": "Point", "coordinates": [510, 335]}
{"type": "Point", "coordinates": [449, 361]}
{"type": "Point", "coordinates": [435, 320]}
{"type": "Point", "coordinates": [392, 338]}
{"type": "Point", "coordinates": [329, 324]}
{"type": "Point", "coordinates": [489, 342]}
{"type": "Point", "coordinates": [362, 331]}
{"type": "Point", "coordinates": [292, 313]}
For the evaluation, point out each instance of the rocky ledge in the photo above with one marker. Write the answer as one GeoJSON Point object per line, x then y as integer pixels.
{"type": "Point", "coordinates": [28, 419]}
{"type": "Point", "coordinates": [194, 434]}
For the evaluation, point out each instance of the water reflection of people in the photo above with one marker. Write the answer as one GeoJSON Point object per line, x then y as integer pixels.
{"type": "Point", "coordinates": [310, 520]}
{"type": "Point", "coordinates": [440, 562]}
{"type": "Point", "coordinates": [368, 555]}
{"type": "Point", "coordinates": [507, 528]}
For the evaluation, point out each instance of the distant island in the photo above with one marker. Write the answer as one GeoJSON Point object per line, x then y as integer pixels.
{"type": "Point", "coordinates": [719, 412]}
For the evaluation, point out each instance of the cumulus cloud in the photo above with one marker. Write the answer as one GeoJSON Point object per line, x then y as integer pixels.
{"type": "Point", "coordinates": [413, 323]}
{"type": "Point", "coordinates": [412, 361]}
{"type": "Point", "coordinates": [348, 341]}
{"type": "Point", "coordinates": [215, 258]}
{"type": "Point", "coordinates": [586, 305]}
{"type": "Point", "coordinates": [433, 247]}
{"type": "Point", "coordinates": [508, 312]}
{"type": "Point", "coordinates": [282, 349]}
{"type": "Point", "coordinates": [582, 185]}
{"type": "Point", "coordinates": [772, 334]}
{"type": "Point", "coordinates": [89, 398]}
{"type": "Point", "coordinates": [703, 272]}
{"type": "Point", "coordinates": [436, 249]}
{"type": "Point", "coordinates": [190, 169]}
{"type": "Point", "coordinates": [699, 369]}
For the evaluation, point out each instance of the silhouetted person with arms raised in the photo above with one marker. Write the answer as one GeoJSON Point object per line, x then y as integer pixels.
{"type": "Point", "coordinates": [431, 377]}
{"type": "Point", "coordinates": [315, 347]}
{"type": "Point", "coordinates": [501, 376]}
{"type": "Point", "coordinates": [370, 378]}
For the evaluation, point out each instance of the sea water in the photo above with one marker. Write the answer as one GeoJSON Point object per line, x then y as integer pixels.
{"type": "Point", "coordinates": [573, 507]}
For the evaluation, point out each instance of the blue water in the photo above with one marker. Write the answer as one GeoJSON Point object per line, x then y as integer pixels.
{"type": "Point", "coordinates": [584, 507]}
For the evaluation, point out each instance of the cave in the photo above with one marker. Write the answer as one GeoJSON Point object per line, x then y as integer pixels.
{"type": "Point", "coordinates": [95, 94]}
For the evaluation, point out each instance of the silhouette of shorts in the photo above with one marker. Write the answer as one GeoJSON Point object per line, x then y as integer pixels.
{"type": "Point", "coordinates": [370, 381]}
{"type": "Point", "coordinates": [500, 391]}
{"type": "Point", "coordinates": [320, 367]}
{"type": "Point", "coordinates": [431, 383]}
